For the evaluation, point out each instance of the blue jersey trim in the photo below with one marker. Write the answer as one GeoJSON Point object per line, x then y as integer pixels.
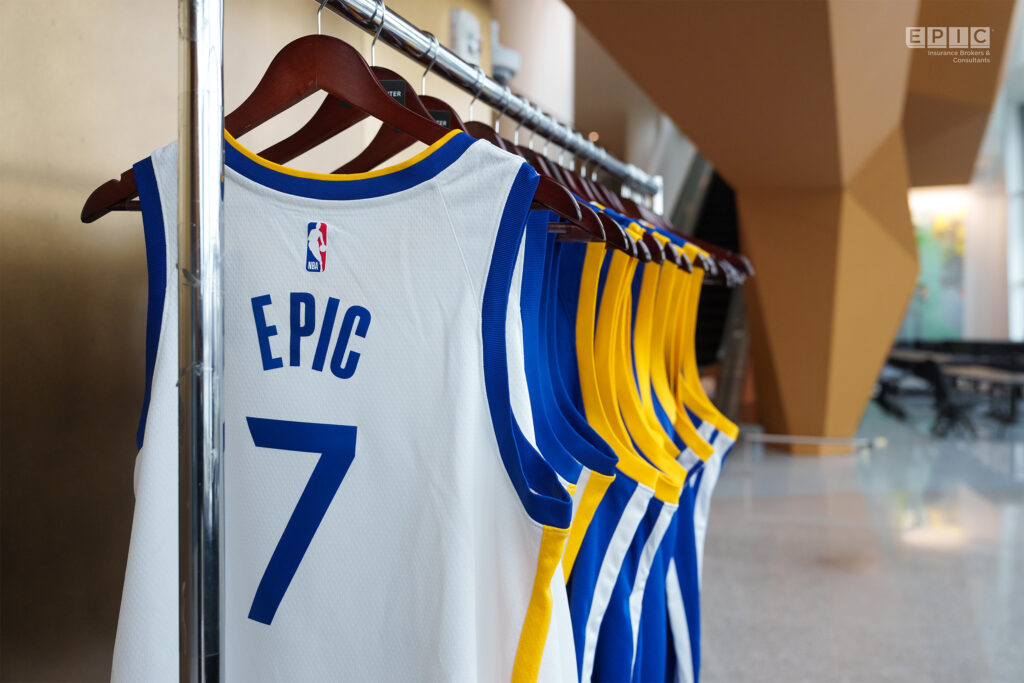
{"type": "Point", "coordinates": [685, 554]}
{"type": "Point", "coordinates": [563, 298]}
{"type": "Point", "coordinates": [654, 655]}
{"type": "Point", "coordinates": [543, 497]}
{"type": "Point", "coordinates": [156, 264]}
{"type": "Point", "coordinates": [346, 188]}
{"type": "Point", "coordinates": [576, 438]}
{"type": "Point", "coordinates": [552, 442]}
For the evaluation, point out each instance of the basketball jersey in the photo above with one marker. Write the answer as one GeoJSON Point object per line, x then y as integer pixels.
{"type": "Point", "coordinates": [385, 516]}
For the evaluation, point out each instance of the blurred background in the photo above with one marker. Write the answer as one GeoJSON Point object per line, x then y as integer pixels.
{"type": "Point", "coordinates": [877, 186]}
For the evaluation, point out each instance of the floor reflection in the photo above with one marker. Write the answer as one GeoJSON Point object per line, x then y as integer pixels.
{"type": "Point", "coordinates": [899, 564]}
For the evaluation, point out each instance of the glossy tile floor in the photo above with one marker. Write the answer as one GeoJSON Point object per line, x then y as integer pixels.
{"type": "Point", "coordinates": [899, 564]}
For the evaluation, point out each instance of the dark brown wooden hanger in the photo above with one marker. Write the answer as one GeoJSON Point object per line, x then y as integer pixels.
{"type": "Point", "coordinates": [303, 67]}
{"type": "Point", "coordinates": [437, 106]}
{"type": "Point", "coordinates": [389, 140]}
{"type": "Point", "coordinates": [614, 235]}
{"type": "Point", "coordinates": [481, 131]}
{"type": "Point", "coordinates": [334, 116]}
{"type": "Point", "coordinates": [654, 247]}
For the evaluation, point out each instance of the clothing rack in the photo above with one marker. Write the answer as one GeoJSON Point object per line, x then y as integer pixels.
{"type": "Point", "coordinates": [374, 17]}
{"type": "Point", "coordinates": [200, 278]}
{"type": "Point", "coordinates": [200, 338]}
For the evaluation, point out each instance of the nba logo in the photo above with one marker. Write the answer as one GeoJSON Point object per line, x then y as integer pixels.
{"type": "Point", "coordinates": [316, 247]}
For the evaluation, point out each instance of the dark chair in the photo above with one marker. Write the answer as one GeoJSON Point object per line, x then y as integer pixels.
{"type": "Point", "coordinates": [950, 407]}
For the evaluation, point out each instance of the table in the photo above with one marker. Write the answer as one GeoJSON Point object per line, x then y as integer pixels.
{"type": "Point", "coordinates": [919, 356]}
{"type": "Point", "coordinates": [980, 375]}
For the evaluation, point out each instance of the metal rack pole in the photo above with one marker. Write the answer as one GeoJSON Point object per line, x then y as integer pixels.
{"type": "Point", "coordinates": [200, 336]}
{"type": "Point", "coordinates": [372, 15]}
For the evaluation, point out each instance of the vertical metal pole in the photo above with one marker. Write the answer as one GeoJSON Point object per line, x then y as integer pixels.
{"type": "Point", "coordinates": [200, 336]}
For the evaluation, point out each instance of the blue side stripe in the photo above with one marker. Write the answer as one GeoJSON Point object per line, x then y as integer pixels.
{"type": "Point", "coordinates": [551, 441]}
{"type": "Point", "coordinates": [543, 497]}
{"type": "Point", "coordinates": [156, 264]}
{"type": "Point", "coordinates": [653, 647]}
{"type": "Point", "coordinates": [614, 656]}
{"type": "Point", "coordinates": [570, 447]}
{"type": "Point", "coordinates": [563, 300]}
{"type": "Point", "coordinates": [686, 569]}
{"type": "Point", "coordinates": [666, 423]}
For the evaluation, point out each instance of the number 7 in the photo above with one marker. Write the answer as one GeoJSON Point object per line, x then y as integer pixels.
{"type": "Point", "coordinates": [337, 447]}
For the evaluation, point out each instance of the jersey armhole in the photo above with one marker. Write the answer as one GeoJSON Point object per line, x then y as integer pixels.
{"type": "Point", "coordinates": [156, 265]}
{"type": "Point", "coordinates": [543, 497]}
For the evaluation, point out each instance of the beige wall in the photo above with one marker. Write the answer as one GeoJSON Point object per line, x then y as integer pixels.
{"type": "Point", "coordinates": [90, 88]}
{"type": "Point", "coordinates": [543, 32]}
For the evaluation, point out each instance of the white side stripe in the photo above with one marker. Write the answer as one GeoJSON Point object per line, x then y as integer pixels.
{"type": "Point", "coordinates": [680, 629]}
{"type": "Point", "coordinates": [636, 598]}
{"type": "Point", "coordinates": [609, 572]}
{"type": "Point", "coordinates": [702, 504]}
{"type": "Point", "coordinates": [581, 485]}
{"type": "Point", "coordinates": [705, 430]}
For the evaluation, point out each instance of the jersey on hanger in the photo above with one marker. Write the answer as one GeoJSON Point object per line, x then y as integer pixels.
{"type": "Point", "coordinates": [385, 517]}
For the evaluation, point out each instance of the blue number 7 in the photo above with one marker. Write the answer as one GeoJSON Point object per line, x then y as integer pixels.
{"type": "Point", "coordinates": [337, 447]}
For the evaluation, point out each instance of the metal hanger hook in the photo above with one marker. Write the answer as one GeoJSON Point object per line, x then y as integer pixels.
{"type": "Point", "coordinates": [522, 120]}
{"type": "Point", "coordinates": [318, 13]}
{"type": "Point", "coordinates": [534, 114]}
{"type": "Point", "coordinates": [373, 45]}
{"type": "Point", "coordinates": [563, 148]}
{"type": "Point", "coordinates": [435, 47]}
{"type": "Point", "coordinates": [506, 99]}
{"type": "Point", "coordinates": [477, 87]}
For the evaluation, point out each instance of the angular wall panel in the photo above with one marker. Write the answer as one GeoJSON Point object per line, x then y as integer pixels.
{"type": "Point", "coordinates": [799, 104]}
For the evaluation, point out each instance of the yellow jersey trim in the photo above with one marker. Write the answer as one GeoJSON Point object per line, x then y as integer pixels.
{"type": "Point", "coordinates": [534, 634]}
{"type": "Point", "coordinates": [338, 176]}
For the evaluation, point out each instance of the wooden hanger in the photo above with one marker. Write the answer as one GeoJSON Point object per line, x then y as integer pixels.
{"type": "Point", "coordinates": [333, 117]}
{"type": "Point", "coordinates": [389, 140]}
{"type": "Point", "coordinates": [303, 67]}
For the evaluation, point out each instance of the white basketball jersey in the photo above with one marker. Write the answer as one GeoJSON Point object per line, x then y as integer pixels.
{"type": "Point", "coordinates": [385, 516]}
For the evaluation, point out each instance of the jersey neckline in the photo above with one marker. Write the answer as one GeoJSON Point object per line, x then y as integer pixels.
{"type": "Point", "coordinates": [384, 181]}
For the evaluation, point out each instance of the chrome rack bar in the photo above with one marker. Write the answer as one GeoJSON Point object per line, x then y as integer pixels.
{"type": "Point", "coordinates": [420, 46]}
{"type": "Point", "coordinates": [200, 338]}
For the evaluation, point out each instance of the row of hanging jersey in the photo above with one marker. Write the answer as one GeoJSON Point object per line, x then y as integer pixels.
{"type": "Point", "coordinates": [616, 407]}
{"type": "Point", "coordinates": [386, 514]}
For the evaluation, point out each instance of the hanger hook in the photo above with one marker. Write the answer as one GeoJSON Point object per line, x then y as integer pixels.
{"type": "Point", "coordinates": [522, 119]}
{"type": "Point", "coordinates": [435, 47]}
{"type": "Point", "coordinates": [534, 115]}
{"type": "Point", "coordinates": [318, 13]}
{"type": "Point", "coordinates": [582, 154]}
{"type": "Point", "coordinates": [563, 147]}
{"type": "Point", "coordinates": [373, 45]}
{"type": "Point", "coordinates": [506, 99]}
{"type": "Point", "coordinates": [477, 87]}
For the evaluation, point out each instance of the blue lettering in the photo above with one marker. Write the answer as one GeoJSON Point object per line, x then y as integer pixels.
{"type": "Point", "coordinates": [303, 322]}
{"type": "Point", "coordinates": [264, 332]}
{"type": "Point", "coordinates": [325, 334]}
{"type": "Point", "coordinates": [351, 315]}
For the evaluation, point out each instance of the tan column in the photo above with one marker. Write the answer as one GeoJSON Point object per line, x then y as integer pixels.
{"type": "Point", "coordinates": [799, 105]}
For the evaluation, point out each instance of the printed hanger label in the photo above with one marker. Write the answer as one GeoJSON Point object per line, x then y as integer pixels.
{"type": "Point", "coordinates": [394, 88]}
{"type": "Point", "coordinates": [443, 118]}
